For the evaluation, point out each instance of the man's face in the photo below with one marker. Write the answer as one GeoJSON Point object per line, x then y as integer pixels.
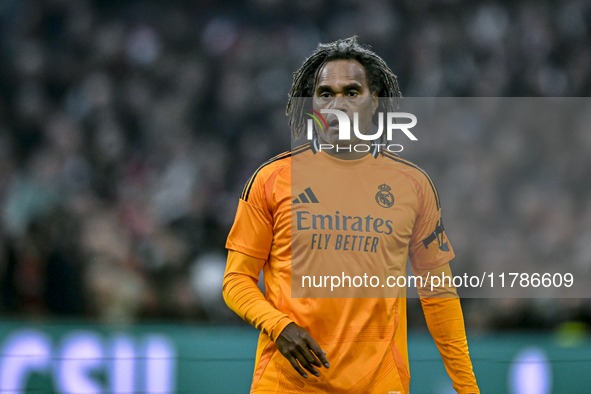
{"type": "Point", "coordinates": [343, 85]}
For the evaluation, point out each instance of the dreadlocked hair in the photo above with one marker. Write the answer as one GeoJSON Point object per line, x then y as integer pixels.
{"type": "Point", "coordinates": [379, 77]}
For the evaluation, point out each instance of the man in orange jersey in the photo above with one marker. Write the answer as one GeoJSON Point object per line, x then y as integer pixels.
{"type": "Point", "coordinates": [338, 212]}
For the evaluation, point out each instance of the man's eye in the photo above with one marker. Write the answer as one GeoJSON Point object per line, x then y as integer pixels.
{"type": "Point", "coordinates": [353, 93]}
{"type": "Point", "coordinates": [325, 95]}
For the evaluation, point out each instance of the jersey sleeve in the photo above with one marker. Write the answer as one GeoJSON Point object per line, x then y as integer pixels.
{"type": "Point", "coordinates": [244, 297]}
{"type": "Point", "coordinates": [252, 231]}
{"type": "Point", "coordinates": [429, 247]}
{"type": "Point", "coordinates": [446, 324]}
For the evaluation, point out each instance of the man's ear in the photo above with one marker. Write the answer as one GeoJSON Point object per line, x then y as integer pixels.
{"type": "Point", "coordinates": [374, 102]}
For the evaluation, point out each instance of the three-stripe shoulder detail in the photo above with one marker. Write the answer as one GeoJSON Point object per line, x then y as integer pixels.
{"type": "Point", "coordinates": [282, 156]}
{"type": "Point", "coordinates": [408, 163]}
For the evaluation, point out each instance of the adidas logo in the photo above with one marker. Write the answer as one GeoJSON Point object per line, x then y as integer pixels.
{"type": "Point", "coordinates": [306, 197]}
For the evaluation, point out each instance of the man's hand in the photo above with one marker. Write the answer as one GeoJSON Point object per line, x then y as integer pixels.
{"type": "Point", "coordinates": [297, 345]}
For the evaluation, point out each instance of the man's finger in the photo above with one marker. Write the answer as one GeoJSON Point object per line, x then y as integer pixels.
{"type": "Point", "coordinates": [302, 359]}
{"type": "Point", "coordinates": [296, 366]}
{"type": "Point", "coordinates": [310, 357]}
{"type": "Point", "coordinates": [321, 354]}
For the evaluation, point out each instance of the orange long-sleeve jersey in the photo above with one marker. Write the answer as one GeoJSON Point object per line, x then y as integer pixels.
{"type": "Point", "coordinates": [305, 214]}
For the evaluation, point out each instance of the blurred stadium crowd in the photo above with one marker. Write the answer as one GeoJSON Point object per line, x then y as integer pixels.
{"type": "Point", "coordinates": [128, 129]}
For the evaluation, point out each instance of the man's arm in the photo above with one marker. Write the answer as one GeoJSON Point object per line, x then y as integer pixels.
{"type": "Point", "coordinates": [244, 297]}
{"type": "Point", "coordinates": [443, 314]}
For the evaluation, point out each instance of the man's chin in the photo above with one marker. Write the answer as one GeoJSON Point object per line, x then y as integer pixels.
{"type": "Point", "coordinates": [334, 141]}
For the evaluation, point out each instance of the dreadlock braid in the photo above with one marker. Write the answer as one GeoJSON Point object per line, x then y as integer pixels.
{"type": "Point", "coordinates": [379, 76]}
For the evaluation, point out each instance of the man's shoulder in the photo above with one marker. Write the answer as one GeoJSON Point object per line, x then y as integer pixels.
{"type": "Point", "coordinates": [275, 165]}
{"type": "Point", "coordinates": [412, 170]}
{"type": "Point", "coordinates": [403, 164]}
{"type": "Point", "coordinates": [284, 159]}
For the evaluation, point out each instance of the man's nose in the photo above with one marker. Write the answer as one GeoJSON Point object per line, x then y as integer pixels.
{"type": "Point", "coordinates": [339, 102]}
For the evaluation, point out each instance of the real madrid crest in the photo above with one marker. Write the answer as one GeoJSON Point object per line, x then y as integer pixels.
{"type": "Point", "coordinates": [384, 198]}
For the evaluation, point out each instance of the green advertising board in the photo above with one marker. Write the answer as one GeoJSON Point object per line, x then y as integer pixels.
{"type": "Point", "coordinates": [73, 358]}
